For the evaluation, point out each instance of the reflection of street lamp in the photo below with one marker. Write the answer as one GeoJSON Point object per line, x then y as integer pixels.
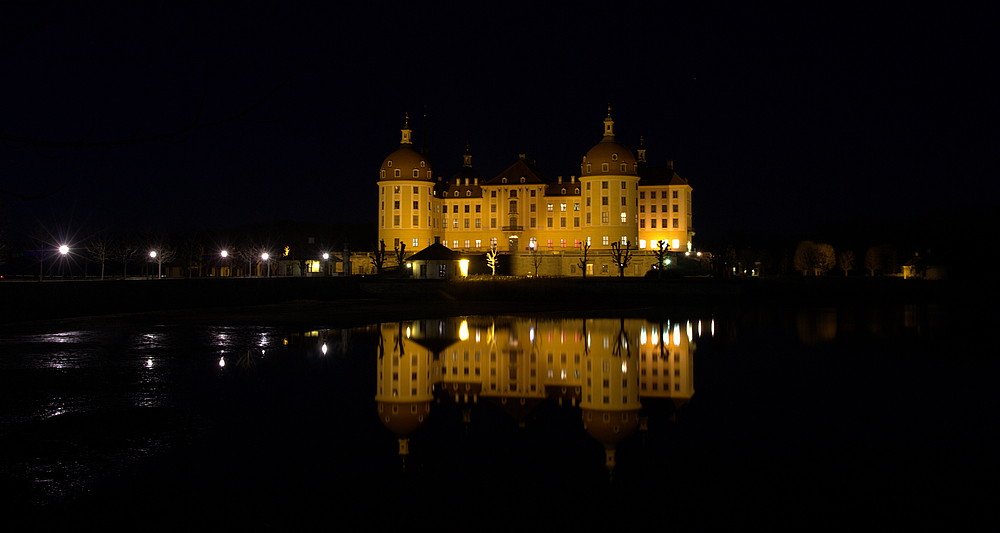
{"type": "Point", "coordinates": [159, 264]}
{"type": "Point", "coordinates": [265, 256]}
{"type": "Point", "coordinates": [224, 254]}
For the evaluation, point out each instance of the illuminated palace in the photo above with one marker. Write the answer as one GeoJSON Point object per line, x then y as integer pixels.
{"type": "Point", "coordinates": [618, 197]}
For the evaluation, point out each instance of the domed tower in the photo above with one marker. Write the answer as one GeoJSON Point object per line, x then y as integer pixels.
{"type": "Point", "coordinates": [406, 197]}
{"type": "Point", "coordinates": [610, 191]}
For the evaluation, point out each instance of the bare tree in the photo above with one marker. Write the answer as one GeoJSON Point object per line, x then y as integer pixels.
{"type": "Point", "coordinates": [400, 251]}
{"type": "Point", "coordinates": [583, 260]}
{"type": "Point", "coordinates": [873, 260]}
{"type": "Point", "coordinates": [536, 260]}
{"type": "Point", "coordinates": [825, 258]}
{"type": "Point", "coordinates": [378, 257]}
{"type": "Point", "coordinates": [662, 249]}
{"type": "Point", "coordinates": [813, 257]}
{"type": "Point", "coordinates": [802, 261]}
{"type": "Point", "coordinates": [159, 253]}
{"type": "Point", "coordinates": [492, 260]}
{"type": "Point", "coordinates": [621, 256]}
{"type": "Point", "coordinates": [126, 249]}
{"type": "Point", "coordinates": [846, 261]}
{"type": "Point", "coordinates": [101, 249]}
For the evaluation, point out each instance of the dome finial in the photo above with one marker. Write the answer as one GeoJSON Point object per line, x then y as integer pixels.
{"type": "Point", "coordinates": [406, 131]}
{"type": "Point", "coordinates": [609, 132]}
{"type": "Point", "coordinates": [467, 158]}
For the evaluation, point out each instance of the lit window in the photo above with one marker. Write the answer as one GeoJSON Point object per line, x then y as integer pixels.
{"type": "Point", "coordinates": [605, 218]}
{"type": "Point", "coordinates": [624, 217]}
{"type": "Point", "coordinates": [562, 206]}
{"type": "Point", "coordinates": [562, 243]}
{"type": "Point", "coordinates": [416, 243]}
{"type": "Point", "coordinates": [604, 241]}
{"type": "Point", "coordinates": [624, 241]}
{"type": "Point", "coordinates": [549, 207]}
{"type": "Point", "coordinates": [576, 206]}
{"type": "Point", "coordinates": [550, 243]}
{"type": "Point", "coordinates": [479, 243]}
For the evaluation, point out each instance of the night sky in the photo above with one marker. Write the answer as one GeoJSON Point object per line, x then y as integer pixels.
{"type": "Point", "coordinates": [780, 120]}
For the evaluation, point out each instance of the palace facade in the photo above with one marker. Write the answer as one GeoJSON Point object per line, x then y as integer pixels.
{"type": "Point", "coordinates": [617, 198]}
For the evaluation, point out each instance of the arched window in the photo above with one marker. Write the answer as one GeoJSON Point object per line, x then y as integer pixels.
{"type": "Point", "coordinates": [397, 173]}
{"type": "Point", "coordinates": [503, 180]}
{"type": "Point", "coordinates": [564, 190]}
{"type": "Point", "coordinates": [468, 193]}
{"type": "Point", "coordinates": [522, 179]}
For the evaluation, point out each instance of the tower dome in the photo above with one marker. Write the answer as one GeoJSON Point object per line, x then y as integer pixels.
{"type": "Point", "coordinates": [406, 163]}
{"type": "Point", "coordinates": [608, 156]}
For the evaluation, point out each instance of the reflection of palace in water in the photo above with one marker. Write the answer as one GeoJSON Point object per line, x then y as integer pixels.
{"type": "Point", "coordinates": [606, 367]}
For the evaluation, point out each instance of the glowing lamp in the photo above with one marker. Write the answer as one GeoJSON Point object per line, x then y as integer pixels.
{"type": "Point", "coordinates": [64, 249]}
{"type": "Point", "coordinates": [463, 266]}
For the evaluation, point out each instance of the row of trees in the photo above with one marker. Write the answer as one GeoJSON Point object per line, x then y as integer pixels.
{"type": "Point", "coordinates": [819, 258]}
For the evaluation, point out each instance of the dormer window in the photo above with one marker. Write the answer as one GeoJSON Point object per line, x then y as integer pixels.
{"type": "Point", "coordinates": [522, 179]}
{"type": "Point", "coordinates": [577, 190]}
{"type": "Point", "coordinates": [614, 157]}
{"type": "Point", "coordinates": [421, 164]}
{"type": "Point", "coordinates": [564, 192]}
{"type": "Point", "coordinates": [604, 167]}
{"type": "Point", "coordinates": [468, 193]}
{"type": "Point", "coordinates": [416, 173]}
{"type": "Point", "coordinates": [624, 167]}
{"type": "Point", "coordinates": [381, 173]}
{"type": "Point", "coordinates": [588, 168]}
{"type": "Point", "coordinates": [396, 173]}
{"type": "Point", "coordinates": [503, 180]}
{"type": "Point", "coordinates": [388, 163]}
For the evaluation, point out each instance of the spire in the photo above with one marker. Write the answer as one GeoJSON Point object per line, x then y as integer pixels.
{"type": "Point", "coordinates": [467, 158]}
{"type": "Point", "coordinates": [642, 151]}
{"type": "Point", "coordinates": [406, 131]}
{"type": "Point", "coordinates": [609, 132]}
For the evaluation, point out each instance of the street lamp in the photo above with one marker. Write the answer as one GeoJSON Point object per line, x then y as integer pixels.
{"type": "Point", "coordinates": [265, 256]}
{"type": "Point", "coordinates": [159, 264]}
{"type": "Point", "coordinates": [326, 257]}
{"type": "Point", "coordinates": [224, 254]}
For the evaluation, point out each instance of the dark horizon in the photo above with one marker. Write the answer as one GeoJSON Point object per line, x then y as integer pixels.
{"type": "Point", "coordinates": [781, 122]}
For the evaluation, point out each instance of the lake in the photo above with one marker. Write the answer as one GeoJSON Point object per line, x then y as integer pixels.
{"type": "Point", "coordinates": [787, 416]}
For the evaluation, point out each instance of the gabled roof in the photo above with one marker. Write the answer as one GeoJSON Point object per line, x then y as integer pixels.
{"type": "Point", "coordinates": [436, 252]}
{"type": "Point", "coordinates": [521, 168]}
{"type": "Point", "coordinates": [649, 175]}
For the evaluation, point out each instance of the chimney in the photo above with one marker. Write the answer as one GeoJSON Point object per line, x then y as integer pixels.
{"type": "Point", "coordinates": [475, 181]}
{"type": "Point", "coordinates": [560, 179]}
{"type": "Point", "coordinates": [572, 179]}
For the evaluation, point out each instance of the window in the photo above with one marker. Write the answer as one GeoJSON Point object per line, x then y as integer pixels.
{"type": "Point", "coordinates": [395, 220]}
{"type": "Point", "coordinates": [604, 167]}
{"type": "Point", "coordinates": [562, 222]}
{"type": "Point", "coordinates": [576, 206]}
{"type": "Point", "coordinates": [454, 208]}
{"type": "Point", "coordinates": [642, 209]}
{"type": "Point", "coordinates": [624, 241]}
{"type": "Point", "coordinates": [478, 208]}
{"type": "Point", "coordinates": [479, 243]}
{"type": "Point", "coordinates": [624, 218]}
{"type": "Point", "coordinates": [493, 194]}
{"type": "Point", "coordinates": [604, 268]}
{"type": "Point", "coordinates": [588, 168]}
{"type": "Point", "coordinates": [466, 223]}
{"type": "Point", "coordinates": [549, 223]}
{"type": "Point", "coordinates": [532, 208]}
{"type": "Point", "coordinates": [416, 220]}
{"type": "Point", "coordinates": [493, 208]}
{"type": "Point", "coordinates": [642, 195]}
{"type": "Point", "coordinates": [676, 207]}
{"type": "Point", "coordinates": [493, 222]}
{"type": "Point", "coordinates": [576, 244]}
{"type": "Point", "coordinates": [614, 157]}
{"type": "Point", "coordinates": [550, 243]}
{"type": "Point", "coordinates": [588, 201]}
{"type": "Point", "coordinates": [503, 180]}
{"type": "Point", "coordinates": [467, 245]}
{"type": "Point", "coordinates": [549, 208]}
{"type": "Point", "coordinates": [468, 193]}
{"type": "Point", "coordinates": [479, 223]}
{"type": "Point", "coordinates": [664, 223]}
{"type": "Point", "coordinates": [663, 194]}
{"type": "Point", "coordinates": [381, 173]}
{"type": "Point", "coordinates": [576, 222]}
{"type": "Point", "coordinates": [395, 204]}
{"type": "Point", "coordinates": [396, 188]}
{"type": "Point", "coordinates": [563, 190]}
{"type": "Point", "coordinates": [416, 173]}
{"type": "Point", "coordinates": [454, 244]}
{"type": "Point", "coordinates": [652, 208]}
{"type": "Point", "coordinates": [396, 174]}
{"type": "Point", "coordinates": [624, 185]}
{"type": "Point", "coordinates": [652, 223]}
{"type": "Point", "coordinates": [416, 204]}
{"type": "Point", "coordinates": [562, 243]}
{"type": "Point", "coordinates": [605, 218]}
{"type": "Point", "coordinates": [676, 224]}
{"type": "Point", "coordinates": [604, 185]}
{"type": "Point", "coordinates": [562, 206]}
{"type": "Point", "coordinates": [604, 200]}
{"type": "Point", "coordinates": [675, 194]}
{"type": "Point", "coordinates": [623, 200]}
{"type": "Point", "coordinates": [588, 185]}
{"type": "Point", "coordinates": [533, 193]}
{"type": "Point", "coordinates": [455, 223]}
{"type": "Point", "coordinates": [493, 241]}
{"type": "Point", "coordinates": [416, 243]}
{"type": "Point", "coordinates": [532, 222]}
{"type": "Point", "coordinates": [466, 208]}
{"type": "Point", "coordinates": [642, 223]}
{"type": "Point", "coordinates": [624, 167]}
{"type": "Point", "coordinates": [513, 194]}
{"type": "Point", "coordinates": [604, 241]}
{"type": "Point", "coordinates": [588, 218]}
